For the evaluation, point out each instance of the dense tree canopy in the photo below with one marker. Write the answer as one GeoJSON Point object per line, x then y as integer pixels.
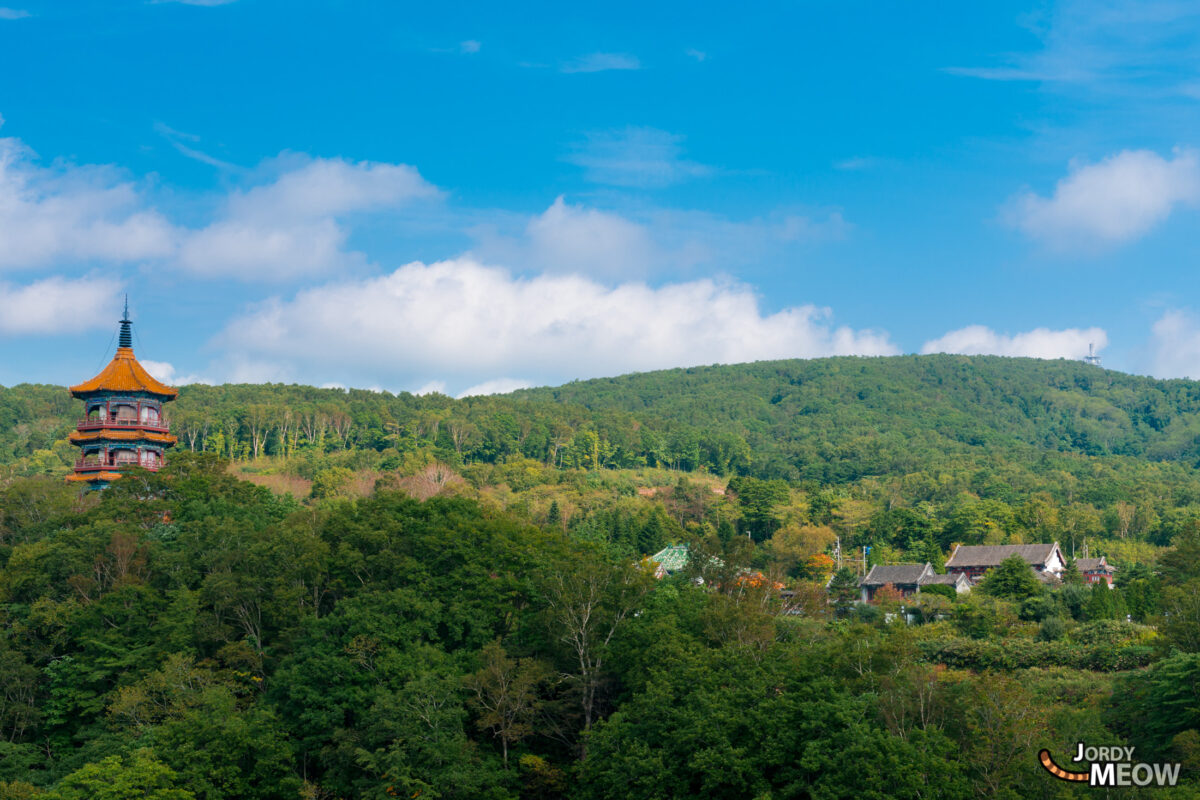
{"type": "Point", "coordinates": [332, 594]}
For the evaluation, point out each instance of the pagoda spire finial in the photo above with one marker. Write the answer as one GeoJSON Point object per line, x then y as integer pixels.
{"type": "Point", "coordinates": [126, 339]}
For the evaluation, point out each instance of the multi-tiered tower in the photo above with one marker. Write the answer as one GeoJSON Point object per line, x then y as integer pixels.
{"type": "Point", "coordinates": [123, 425]}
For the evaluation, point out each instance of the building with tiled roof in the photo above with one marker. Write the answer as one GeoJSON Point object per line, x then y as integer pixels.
{"type": "Point", "coordinates": [669, 560]}
{"type": "Point", "coordinates": [123, 424]}
{"type": "Point", "coordinates": [1095, 570]}
{"type": "Point", "coordinates": [974, 560]}
{"type": "Point", "coordinates": [907, 579]}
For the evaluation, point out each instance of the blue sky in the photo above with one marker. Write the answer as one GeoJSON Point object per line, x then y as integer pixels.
{"type": "Point", "coordinates": [419, 197]}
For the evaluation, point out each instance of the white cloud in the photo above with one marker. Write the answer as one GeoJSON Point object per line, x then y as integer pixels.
{"type": "Point", "coordinates": [1176, 345]}
{"type": "Point", "coordinates": [495, 386]}
{"type": "Point", "coordinates": [177, 139]}
{"type": "Point", "coordinates": [699, 55]}
{"type": "Point", "coordinates": [290, 226]}
{"type": "Point", "coordinates": [165, 372]}
{"type": "Point", "coordinates": [635, 156]}
{"type": "Point", "coordinates": [293, 224]}
{"type": "Point", "coordinates": [1113, 201]}
{"type": "Point", "coordinates": [580, 239]}
{"type": "Point", "coordinates": [1038, 343]}
{"type": "Point", "coordinates": [858, 163]}
{"type": "Point", "coordinates": [198, 2]}
{"type": "Point", "coordinates": [601, 62]}
{"type": "Point", "coordinates": [1113, 45]}
{"type": "Point", "coordinates": [431, 387]}
{"type": "Point", "coordinates": [469, 46]}
{"type": "Point", "coordinates": [240, 249]}
{"type": "Point", "coordinates": [575, 238]}
{"type": "Point", "coordinates": [471, 323]}
{"type": "Point", "coordinates": [58, 305]}
{"type": "Point", "coordinates": [13, 13]}
{"type": "Point", "coordinates": [72, 213]}
{"type": "Point", "coordinates": [323, 187]}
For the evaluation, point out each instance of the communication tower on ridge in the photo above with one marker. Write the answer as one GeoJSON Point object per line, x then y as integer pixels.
{"type": "Point", "coordinates": [1091, 357]}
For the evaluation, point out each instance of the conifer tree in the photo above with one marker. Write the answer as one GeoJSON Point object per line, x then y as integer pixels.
{"type": "Point", "coordinates": [1101, 604]}
{"type": "Point", "coordinates": [1012, 579]}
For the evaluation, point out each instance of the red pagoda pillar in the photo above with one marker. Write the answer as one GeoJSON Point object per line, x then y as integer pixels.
{"type": "Point", "coordinates": [123, 425]}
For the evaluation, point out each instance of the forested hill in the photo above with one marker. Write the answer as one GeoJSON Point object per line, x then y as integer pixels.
{"type": "Point", "coordinates": [824, 410]}
{"type": "Point", "coordinates": [830, 420]}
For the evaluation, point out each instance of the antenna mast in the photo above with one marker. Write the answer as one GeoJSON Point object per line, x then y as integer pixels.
{"type": "Point", "coordinates": [1091, 357]}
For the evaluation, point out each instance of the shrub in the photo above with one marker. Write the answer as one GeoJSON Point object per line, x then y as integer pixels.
{"type": "Point", "coordinates": [1038, 608]}
{"type": "Point", "coordinates": [940, 589]}
{"type": "Point", "coordinates": [1052, 629]}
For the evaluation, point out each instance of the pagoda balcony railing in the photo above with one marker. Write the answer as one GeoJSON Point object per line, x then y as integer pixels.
{"type": "Point", "coordinates": [85, 465]}
{"type": "Point", "coordinates": [158, 426]}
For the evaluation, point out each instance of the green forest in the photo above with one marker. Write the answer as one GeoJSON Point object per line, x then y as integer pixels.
{"type": "Point", "coordinates": [351, 594]}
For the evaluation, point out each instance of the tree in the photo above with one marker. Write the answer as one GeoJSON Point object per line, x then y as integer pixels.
{"type": "Point", "coordinates": [1070, 573]}
{"type": "Point", "coordinates": [140, 776]}
{"type": "Point", "coordinates": [506, 695]}
{"type": "Point", "coordinates": [1182, 627]}
{"type": "Point", "coordinates": [888, 596]}
{"type": "Point", "coordinates": [652, 536]}
{"type": "Point", "coordinates": [843, 590]}
{"type": "Point", "coordinates": [220, 750]}
{"type": "Point", "coordinates": [259, 419]}
{"type": "Point", "coordinates": [430, 481]}
{"type": "Point", "coordinates": [1142, 590]}
{"type": "Point", "coordinates": [758, 500]}
{"type": "Point", "coordinates": [1152, 706]}
{"type": "Point", "coordinates": [1182, 563]}
{"type": "Point", "coordinates": [1012, 579]}
{"type": "Point", "coordinates": [332, 482]}
{"type": "Point", "coordinates": [588, 602]}
{"type": "Point", "coordinates": [1002, 724]}
{"type": "Point", "coordinates": [1101, 604]}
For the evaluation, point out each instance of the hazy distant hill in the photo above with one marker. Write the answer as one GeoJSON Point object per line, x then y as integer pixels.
{"type": "Point", "coordinates": [820, 409]}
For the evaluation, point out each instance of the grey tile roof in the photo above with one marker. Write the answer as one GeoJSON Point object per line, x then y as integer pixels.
{"type": "Point", "coordinates": [894, 574]}
{"type": "Point", "coordinates": [1085, 564]}
{"type": "Point", "coordinates": [968, 555]}
{"type": "Point", "coordinates": [949, 580]}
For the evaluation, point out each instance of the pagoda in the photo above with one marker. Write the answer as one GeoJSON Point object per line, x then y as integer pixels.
{"type": "Point", "coordinates": [123, 424]}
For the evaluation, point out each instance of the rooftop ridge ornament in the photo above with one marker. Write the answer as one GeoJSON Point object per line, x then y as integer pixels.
{"type": "Point", "coordinates": [126, 339]}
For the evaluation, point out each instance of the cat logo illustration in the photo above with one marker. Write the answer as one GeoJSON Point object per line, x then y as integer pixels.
{"type": "Point", "coordinates": [1111, 766]}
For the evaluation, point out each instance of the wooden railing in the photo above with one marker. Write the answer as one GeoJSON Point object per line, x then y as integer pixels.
{"type": "Point", "coordinates": [84, 464]}
{"type": "Point", "coordinates": [158, 426]}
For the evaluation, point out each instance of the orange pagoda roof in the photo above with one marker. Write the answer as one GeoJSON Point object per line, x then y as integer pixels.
{"type": "Point", "coordinates": [122, 436]}
{"type": "Point", "coordinates": [96, 476]}
{"type": "Point", "coordinates": [124, 374]}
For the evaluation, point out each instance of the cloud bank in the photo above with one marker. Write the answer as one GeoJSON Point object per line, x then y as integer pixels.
{"type": "Point", "coordinates": [977, 340]}
{"type": "Point", "coordinates": [464, 321]}
{"type": "Point", "coordinates": [80, 214]}
{"type": "Point", "coordinates": [567, 237]}
{"type": "Point", "coordinates": [291, 225]}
